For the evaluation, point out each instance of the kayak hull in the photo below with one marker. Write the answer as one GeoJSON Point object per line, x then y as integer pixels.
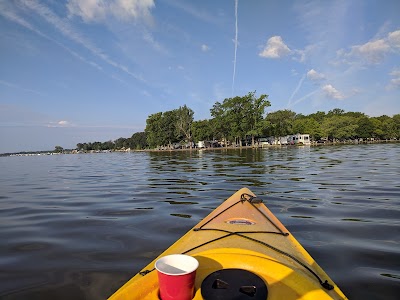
{"type": "Point", "coordinates": [242, 233]}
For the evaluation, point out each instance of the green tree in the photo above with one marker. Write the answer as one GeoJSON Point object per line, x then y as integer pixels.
{"type": "Point", "coordinates": [58, 149]}
{"type": "Point", "coordinates": [235, 116]}
{"type": "Point", "coordinates": [396, 120]}
{"type": "Point", "coordinates": [138, 141]}
{"type": "Point", "coordinates": [97, 146]}
{"type": "Point", "coordinates": [168, 126]}
{"type": "Point", "coordinates": [239, 117]}
{"type": "Point", "coordinates": [365, 128]}
{"type": "Point", "coordinates": [319, 116]}
{"type": "Point", "coordinates": [120, 143]}
{"type": "Point", "coordinates": [335, 112]}
{"type": "Point", "coordinates": [340, 127]}
{"type": "Point", "coordinates": [220, 121]}
{"type": "Point", "coordinates": [308, 125]}
{"type": "Point", "coordinates": [109, 145]}
{"type": "Point", "coordinates": [355, 115]}
{"type": "Point", "coordinates": [202, 130]}
{"type": "Point", "coordinates": [388, 127]}
{"type": "Point", "coordinates": [242, 117]}
{"type": "Point", "coordinates": [153, 130]}
{"type": "Point", "coordinates": [254, 109]}
{"type": "Point", "coordinates": [183, 125]}
{"type": "Point", "coordinates": [377, 125]}
{"type": "Point", "coordinates": [281, 121]}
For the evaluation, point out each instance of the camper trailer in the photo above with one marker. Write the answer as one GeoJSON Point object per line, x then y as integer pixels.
{"type": "Point", "coordinates": [302, 139]}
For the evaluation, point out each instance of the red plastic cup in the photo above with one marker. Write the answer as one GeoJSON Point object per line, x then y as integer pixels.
{"type": "Point", "coordinates": [176, 276]}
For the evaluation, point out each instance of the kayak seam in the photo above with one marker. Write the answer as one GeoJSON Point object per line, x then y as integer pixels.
{"type": "Point", "coordinates": [252, 200]}
{"type": "Point", "coordinates": [229, 233]}
{"type": "Point", "coordinates": [255, 200]}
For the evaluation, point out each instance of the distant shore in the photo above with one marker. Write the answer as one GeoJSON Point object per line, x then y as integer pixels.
{"type": "Point", "coordinates": [313, 144]}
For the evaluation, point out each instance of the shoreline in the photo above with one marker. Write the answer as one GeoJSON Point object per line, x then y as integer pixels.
{"type": "Point", "coordinates": [313, 144]}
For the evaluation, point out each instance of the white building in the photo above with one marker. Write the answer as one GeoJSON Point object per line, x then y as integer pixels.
{"type": "Point", "coordinates": [201, 144]}
{"type": "Point", "coordinates": [299, 139]}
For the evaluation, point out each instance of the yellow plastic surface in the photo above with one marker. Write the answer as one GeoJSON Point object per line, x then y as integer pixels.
{"type": "Point", "coordinates": [285, 278]}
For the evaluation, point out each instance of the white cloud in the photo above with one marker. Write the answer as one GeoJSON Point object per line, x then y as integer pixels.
{"type": "Point", "coordinates": [355, 91]}
{"type": "Point", "coordinates": [332, 92]}
{"type": "Point", "coordinates": [372, 52]}
{"type": "Point", "coordinates": [311, 14]}
{"type": "Point", "coordinates": [87, 10]}
{"type": "Point", "coordinates": [191, 8]}
{"type": "Point", "coordinates": [146, 93]}
{"type": "Point", "coordinates": [132, 9]}
{"type": "Point", "coordinates": [100, 10]}
{"type": "Point", "coordinates": [302, 55]}
{"type": "Point", "coordinates": [394, 39]}
{"type": "Point", "coordinates": [394, 83]}
{"type": "Point", "coordinates": [315, 76]}
{"type": "Point", "coordinates": [275, 48]}
{"type": "Point", "coordinates": [395, 73]}
{"type": "Point", "coordinates": [205, 48]}
{"type": "Point", "coordinates": [148, 37]}
{"type": "Point", "coordinates": [59, 124]}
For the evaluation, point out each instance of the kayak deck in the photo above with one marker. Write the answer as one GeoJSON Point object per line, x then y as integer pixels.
{"type": "Point", "coordinates": [242, 233]}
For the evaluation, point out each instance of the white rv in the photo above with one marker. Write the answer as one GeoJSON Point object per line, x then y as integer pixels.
{"type": "Point", "coordinates": [303, 139]}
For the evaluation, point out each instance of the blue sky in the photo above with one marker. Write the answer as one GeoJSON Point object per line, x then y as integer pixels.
{"type": "Point", "coordinates": [93, 70]}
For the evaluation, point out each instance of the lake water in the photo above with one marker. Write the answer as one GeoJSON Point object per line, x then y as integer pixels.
{"type": "Point", "coordinates": [79, 226]}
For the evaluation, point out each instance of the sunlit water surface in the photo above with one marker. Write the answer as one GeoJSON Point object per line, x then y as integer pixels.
{"type": "Point", "coordinates": [79, 226]}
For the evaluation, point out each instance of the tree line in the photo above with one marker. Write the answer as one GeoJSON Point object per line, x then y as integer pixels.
{"type": "Point", "coordinates": [136, 142]}
{"type": "Point", "coordinates": [243, 118]}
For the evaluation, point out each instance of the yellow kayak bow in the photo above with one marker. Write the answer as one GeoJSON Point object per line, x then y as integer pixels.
{"type": "Point", "coordinates": [241, 239]}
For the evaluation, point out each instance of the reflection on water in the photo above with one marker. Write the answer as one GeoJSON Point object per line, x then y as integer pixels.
{"type": "Point", "coordinates": [180, 202]}
{"type": "Point", "coordinates": [355, 220]}
{"type": "Point", "coordinates": [391, 276]}
{"type": "Point", "coordinates": [79, 226]}
{"type": "Point", "coordinates": [181, 216]}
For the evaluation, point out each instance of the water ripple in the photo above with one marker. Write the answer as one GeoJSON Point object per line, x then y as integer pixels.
{"type": "Point", "coordinates": [79, 226]}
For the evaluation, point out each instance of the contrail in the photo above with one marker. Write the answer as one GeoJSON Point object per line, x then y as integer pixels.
{"type": "Point", "coordinates": [306, 96]}
{"type": "Point", "coordinates": [296, 90]}
{"type": "Point", "coordinates": [68, 31]}
{"type": "Point", "coordinates": [236, 43]}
